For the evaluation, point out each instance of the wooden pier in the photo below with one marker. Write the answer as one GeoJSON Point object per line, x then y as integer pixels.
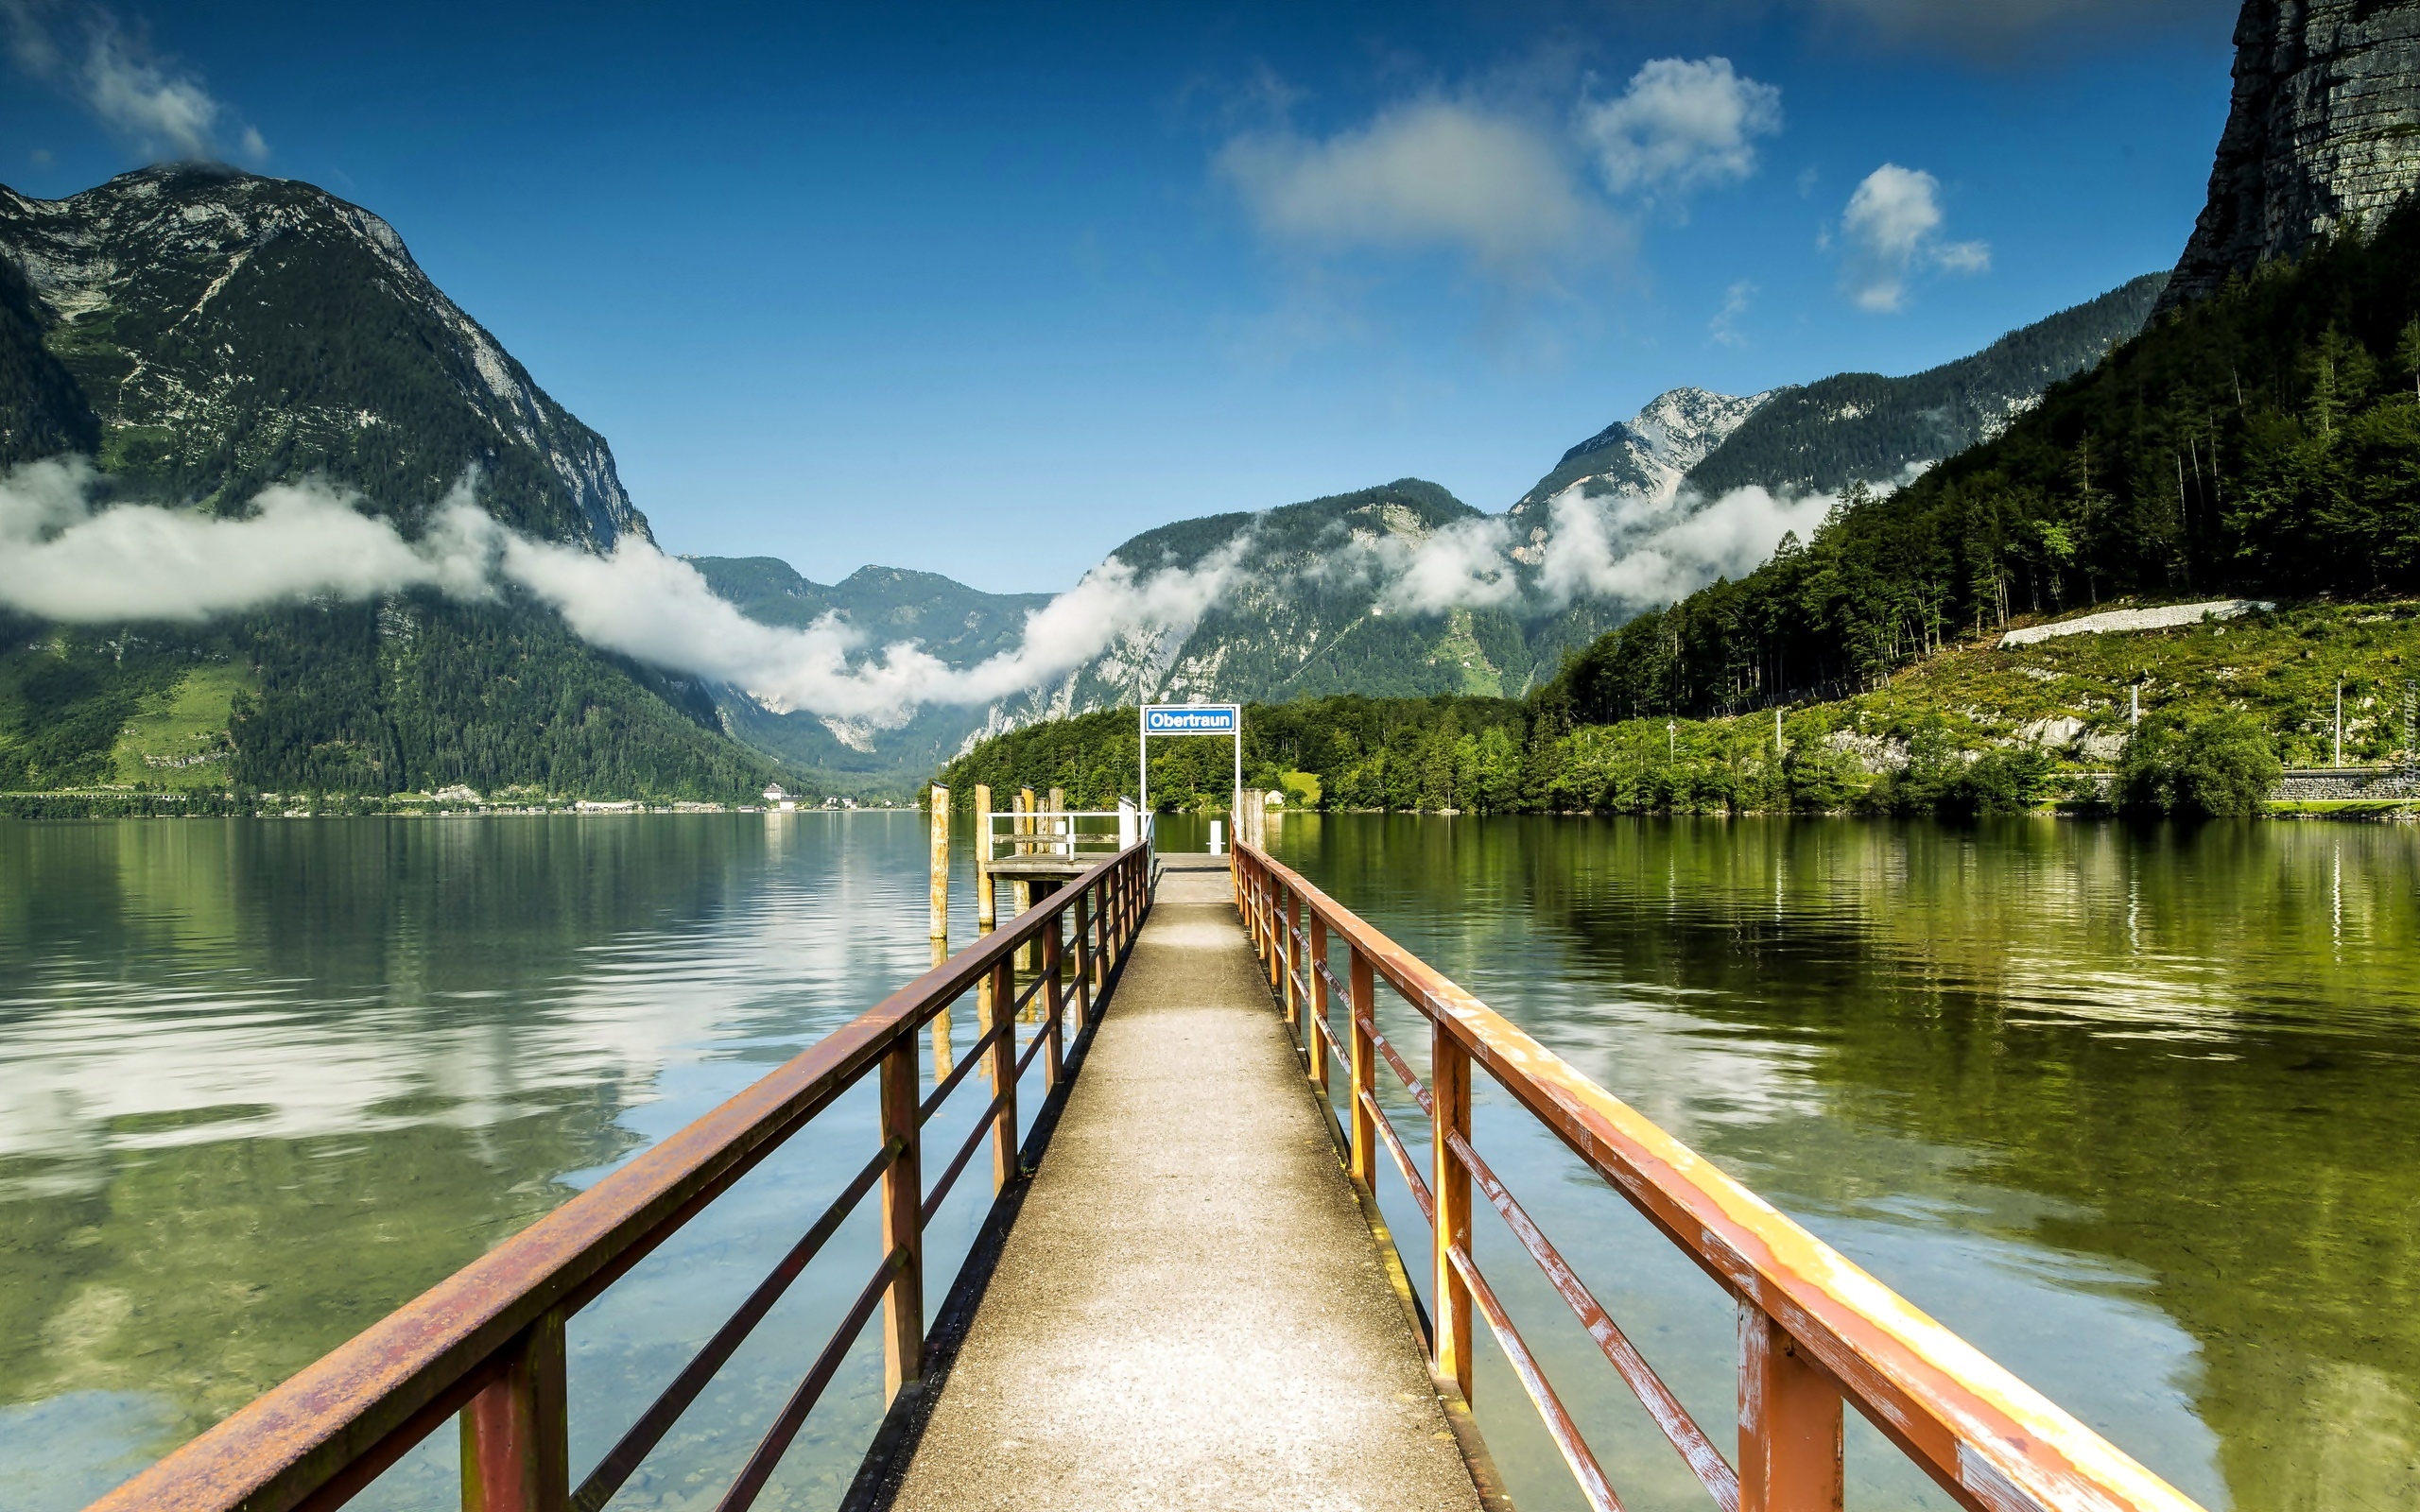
{"type": "Point", "coordinates": [1184, 1295]}
{"type": "Point", "coordinates": [1192, 1310]}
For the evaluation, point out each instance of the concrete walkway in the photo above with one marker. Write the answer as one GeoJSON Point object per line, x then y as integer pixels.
{"type": "Point", "coordinates": [1191, 1311]}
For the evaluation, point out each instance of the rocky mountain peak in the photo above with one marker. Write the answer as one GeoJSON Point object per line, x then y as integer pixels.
{"type": "Point", "coordinates": [2324, 126]}
{"type": "Point", "coordinates": [1646, 454]}
{"type": "Point", "coordinates": [219, 331]}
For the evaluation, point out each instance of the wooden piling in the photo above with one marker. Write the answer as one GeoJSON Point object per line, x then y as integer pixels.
{"type": "Point", "coordinates": [938, 925]}
{"type": "Point", "coordinates": [1020, 890]}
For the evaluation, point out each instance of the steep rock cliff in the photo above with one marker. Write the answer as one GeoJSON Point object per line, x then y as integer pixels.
{"type": "Point", "coordinates": [2324, 126]}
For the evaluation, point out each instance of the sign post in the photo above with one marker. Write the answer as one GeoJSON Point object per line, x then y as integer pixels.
{"type": "Point", "coordinates": [1192, 719]}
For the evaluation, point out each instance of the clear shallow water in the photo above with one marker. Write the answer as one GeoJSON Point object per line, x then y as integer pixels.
{"type": "Point", "coordinates": [2134, 1112]}
{"type": "Point", "coordinates": [261, 1081]}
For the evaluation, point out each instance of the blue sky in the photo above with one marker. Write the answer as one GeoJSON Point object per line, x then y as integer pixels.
{"type": "Point", "coordinates": [985, 294]}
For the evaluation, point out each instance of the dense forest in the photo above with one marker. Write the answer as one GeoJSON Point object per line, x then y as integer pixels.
{"type": "Point", "coordinates": [1826, 434]}
{"type": "Point", "coordinates": [413, 693]}
{"type": "Point", "coordinates": [2266, 439]}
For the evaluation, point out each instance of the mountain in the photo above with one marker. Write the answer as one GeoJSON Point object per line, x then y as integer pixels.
{"type": "Point", "coordinates": [219, 331]}
{"type": "Point", "coordinates": [1862, 427]}
{"type": "Point", "coordinates": [2319, 134]}
{"type": "Point", "coordinates": [1309, 612]}
{"type": "Point", "coordinates": [205, 333]}
{"type": "Point", "coordinates": [959, 625]}
{"type": "Point", "coordinates": [2262, 441]}
{"type": "Point", "coordinates": [1648, 454]}
{"type": "Point", "coordinates": [1313, 602]}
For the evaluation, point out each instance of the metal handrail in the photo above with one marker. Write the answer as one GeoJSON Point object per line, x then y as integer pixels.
{"type": "Point", "coordinates": [488, 1341]}
{"type": "Point", "coordinates": [1026, 834]}
{"type": "Point", "coordinates": [1816, 1331]}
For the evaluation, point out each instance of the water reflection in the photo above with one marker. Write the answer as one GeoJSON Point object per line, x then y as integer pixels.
{"type": "Point", "coordinates": [2135, 1112]}
{"type": "Point", "coordinates": [261, 1082]}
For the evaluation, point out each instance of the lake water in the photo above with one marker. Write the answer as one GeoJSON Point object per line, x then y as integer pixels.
{"type": "Point", "coordinates": [2135, 1112]}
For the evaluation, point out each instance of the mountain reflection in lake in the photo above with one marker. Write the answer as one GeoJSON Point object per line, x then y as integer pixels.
{"type": "Point", "coordinates": [261, 1081]}
{"type": "Point", "coordinates": [2133, 1110]}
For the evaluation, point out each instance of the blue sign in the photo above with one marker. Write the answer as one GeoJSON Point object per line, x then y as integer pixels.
{"type": "Point", "coordinates": [1189, 719]}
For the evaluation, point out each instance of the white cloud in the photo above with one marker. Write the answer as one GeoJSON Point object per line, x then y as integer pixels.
{"type": "Point", "coordinates": [64, 558]}
{"type": "Point", "coordinates": [1432, 173]}
{"type": "Point", "coordinates": [1645, 555]}
{"type": "Point", "coordinates": [1682, 123]}
{"type": "Point", "coordinates": [1893, 229]}
{"type": "Point", "coordinates": [641, 603]}
{"type": "Point", "coordinates": [1724, 327]}
{"type": "Point", "coordinates": [1640, 552]}
{"type": "Point", "coordinates": [164, 109]}
{"type": "Point", "coordinates": [1466, 564]}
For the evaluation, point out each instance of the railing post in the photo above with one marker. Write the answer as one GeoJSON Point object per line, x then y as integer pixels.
{"type": "Point", "coordinates": [1317, 1040]}
{"type": "Point", "coordinates": [1361, 1003]}
{"type": "Point", "coordinates": [516, 1434]}
{"type": "Point", "coordinates": [1275, 955]}
{"type": "Point", "coordinates": [1083, 958]}
{"type": "Point", "coordinates": [1790, 1422]}
{"type": "Point", "coordinates": [1450, 1085]}
{"type": "Point", "coordinates": [903, 1223]}
{"type": "Point", "coordinates": [1293, 956]}
{"type": "Point", "coordinates": [937, 926]}
{"type": "Point", "coordinates": [1054, 1001]}
{"type": "Point", "coordinates": [1003, 1071]}
{"type": "Point", "coordinates": [985, 904]}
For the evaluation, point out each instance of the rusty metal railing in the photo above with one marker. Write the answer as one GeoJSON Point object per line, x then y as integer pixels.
{"type": "Point", "coordinates": [487, 1344]}
{"type": "Point", "coordinates": [1815, 1330]}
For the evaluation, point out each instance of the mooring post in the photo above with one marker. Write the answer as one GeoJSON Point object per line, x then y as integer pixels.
{"type": "Point", "coordinates": [903, 1223]}
{"type": "Point", "coordinates": [1449, 1086]}
{"type": "Point", "coordinates": [1021, 890]}
{"type": "Point", "coordinates": [516, 1432]}
{"type": "Point", "coordinates": [938, 924]}
{"type": "Point", "coordinates": [1361, 1003]}
{"type": "Point", "coordinates": [1789, 1423]}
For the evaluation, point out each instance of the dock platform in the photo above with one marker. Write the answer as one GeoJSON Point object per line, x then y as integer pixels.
{"type": "Point", "coordinates": [1192, 1310]}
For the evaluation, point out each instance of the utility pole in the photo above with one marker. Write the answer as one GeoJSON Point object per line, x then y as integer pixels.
{"type": "Point", "coordinates": [2339, 723]}
{"type": "Point", "coordinates": [1671, 743]}
{"type": "Point", "coordinates": [1776, 731]}
{"type": "Point", "coordinates": [2134, 706]}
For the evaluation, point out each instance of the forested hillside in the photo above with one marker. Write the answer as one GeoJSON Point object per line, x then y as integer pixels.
{"type": "Point", "coordinates": [414, 694]}
{"type": "Point", "coordinates": [1976, 728]}
{"type": "Point", "coordinates": [202, 334]}
{"type": "Point", "coordinates": [1863, 427]}
{"type": "Point", "coordinates": [2265, 439]}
